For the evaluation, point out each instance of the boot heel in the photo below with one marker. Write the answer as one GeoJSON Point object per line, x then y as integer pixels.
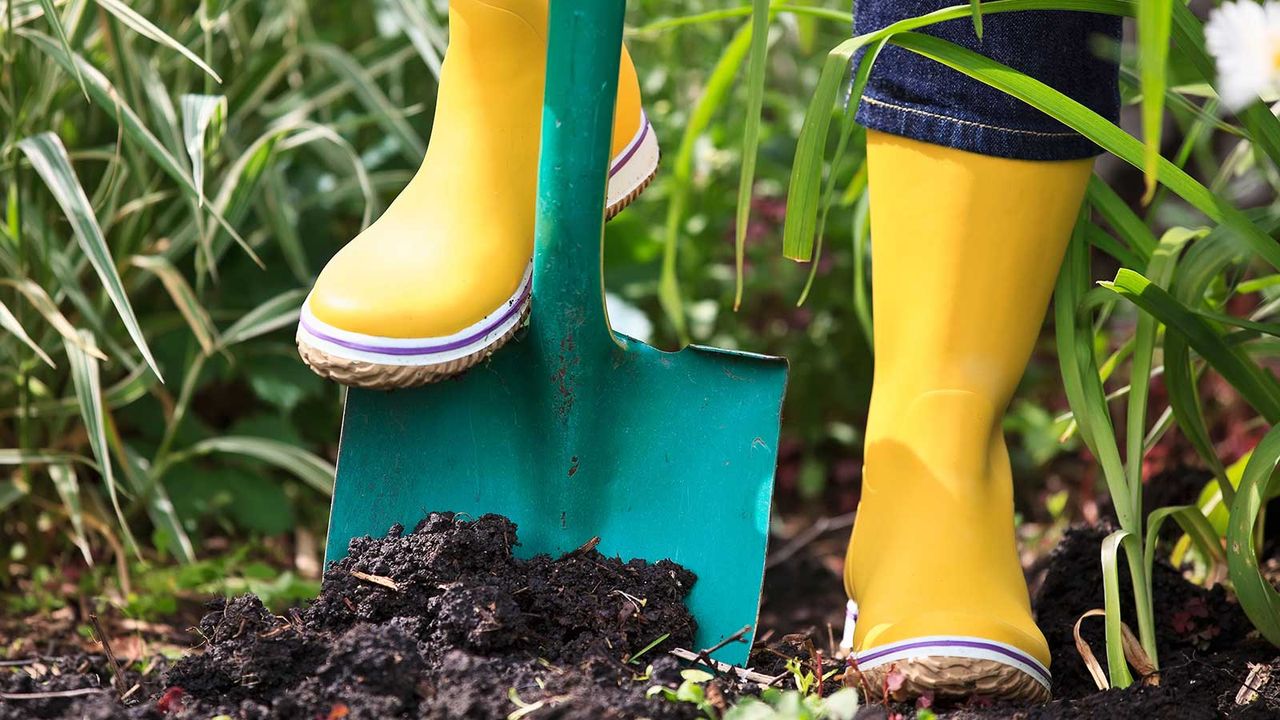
{"type": "Point", "coordinates": [633, 169]}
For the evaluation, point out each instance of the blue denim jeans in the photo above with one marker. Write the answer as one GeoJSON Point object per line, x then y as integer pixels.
{"type": "Point", "coordinates": [913, 96]}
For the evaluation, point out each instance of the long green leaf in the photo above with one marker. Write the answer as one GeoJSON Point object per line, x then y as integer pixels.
{"type": "Point", "coordinates": [9, 322]}
{"type": "Point", "coordinates": [1080, 376]}
{"type": "Point", "coordinates": [51, 17]}
{"type": "Point", "coordinates": [48, 310]}
{"type": "Point", "coordinates": [719, 83]}
{"type": "Point", "coordinates": [1155, 22]}
{"type": "Point", "coordinates": [366, 88]}
{"type": "Point", "coordinates": [200, 113]}
{"type": "Point", "coordinates": [144, 27]}
{"type": "Point", "coordinates": [1256, 386]}
{"type": "Point", "coordinates": [1122, 219]}
{"type": "Point", "coordinates": [49, 158]}
{"type": "Point", "coordinates": [67, 485]}
{"type": "Point", "coordinates": [151, 491]}
{"type": "Point", "coordinates": [751, 135]}
{"type": "Point", "coordinates": [423, 34]}
{"type": "Point", "coordinates": [86, 377]}
{"type": "Point", "coordinates": [278, 312]}
{"type": "Point", "coordinates": [1258, 598]}
{"type": "Point", "coordinates": [1194, 524]}
{"type": "Point", "coordinates": [108, 98]}
{"type": "Point", "coordinates": [183, 296]}
{"type": "Point", "coordinates": [1117, 666]}
{"type": "Point", "coordinates": [307, 467]}
{"type": "Point", "coordinates": [1160, 270]}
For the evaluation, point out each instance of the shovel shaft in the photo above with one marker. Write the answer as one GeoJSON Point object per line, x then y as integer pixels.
{"type": "Point", "coordinates": [577, 126]}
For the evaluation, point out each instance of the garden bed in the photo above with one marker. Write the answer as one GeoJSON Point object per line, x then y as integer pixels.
{"type": "Point", "coordinates": [444, 622]}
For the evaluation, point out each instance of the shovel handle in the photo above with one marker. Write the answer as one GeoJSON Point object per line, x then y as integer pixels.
{"type": "Point", "coordinates": [583, 51]}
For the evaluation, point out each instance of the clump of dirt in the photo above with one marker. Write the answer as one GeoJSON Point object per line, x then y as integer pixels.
{"type": "Point", "coordinates": [442, 622]}
{"type": "Point", "coordinates": [1206, 645]}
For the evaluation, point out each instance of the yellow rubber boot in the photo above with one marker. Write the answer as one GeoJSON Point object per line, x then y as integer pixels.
{"type": "Point", "coordinates": [442, 279]}
{"type": "Point", "coordinates": [966, 250]}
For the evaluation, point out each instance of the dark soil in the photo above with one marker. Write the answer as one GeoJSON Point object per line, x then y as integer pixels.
{"type": "Point", "coordinates": [469, 631]}
{"type": "Point", "coordinates": [1205, 640]}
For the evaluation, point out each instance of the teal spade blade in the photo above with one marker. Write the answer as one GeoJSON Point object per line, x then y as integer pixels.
{"type": "Point", "coordinates": [571, 431]}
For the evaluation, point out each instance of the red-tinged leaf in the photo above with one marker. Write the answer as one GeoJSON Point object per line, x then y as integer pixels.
{"type": "Point", "coordinates": [171, 700]}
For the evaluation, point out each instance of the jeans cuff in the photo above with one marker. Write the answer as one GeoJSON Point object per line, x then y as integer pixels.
{"type": "Point", "coordinates": [931, 126]}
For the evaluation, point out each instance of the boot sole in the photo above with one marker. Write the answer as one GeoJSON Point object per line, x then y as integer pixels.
{"type": "Point", "coordinates": [954, 668]}
{"type": "Point", "coordinates": [382, 363]}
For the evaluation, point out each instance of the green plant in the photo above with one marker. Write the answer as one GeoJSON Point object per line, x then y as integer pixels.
{"type": "Point", "coordinates": [775, 704]}
{"type": "Point", "coordinates": [165, 174]}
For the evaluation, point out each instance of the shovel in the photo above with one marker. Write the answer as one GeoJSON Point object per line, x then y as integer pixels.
{"type": "Point", "coordinates": [573, 431]}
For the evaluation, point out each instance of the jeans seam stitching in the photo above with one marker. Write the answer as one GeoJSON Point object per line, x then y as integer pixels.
{"type": "Point", "coordinates": [939, 116]}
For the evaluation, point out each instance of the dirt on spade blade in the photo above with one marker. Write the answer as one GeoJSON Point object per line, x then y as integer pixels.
{"type": "Point", "coordinates": [442, 622]}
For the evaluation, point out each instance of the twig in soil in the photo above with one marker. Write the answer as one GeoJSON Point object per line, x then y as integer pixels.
{"type": "Point", "coordinates": [813, 532]}
{"type": "Point", "coordinates": [706, 654]}
{"type": "Point", "coordinates": [51, 695]}
{"type": "Point", "coordinates": [19, 663]}
{"type": "Point", "coordinates": [385, 582]}
{"type": "Point", "coordinates": [742, 673]}
{"type": "Point", "coordinates": [111, 656]}
{"type": "Point", "coordinates": [583, 549]}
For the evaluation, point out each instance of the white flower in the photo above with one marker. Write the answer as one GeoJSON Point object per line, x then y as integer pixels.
{"type": "Point", "coordinates": [1244, 37]}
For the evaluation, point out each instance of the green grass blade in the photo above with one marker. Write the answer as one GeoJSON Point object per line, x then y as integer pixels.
{"type": "Point", "coordinates": [804, 191]}
{"type": "Point", "coordinates": [1258, 598]}
{"type": "Point", "coordinates": [423, 34]}
{"type": "Point", "coordinates": [303, 465]}
{"type": "Point", "coordinates": [1256, 386]}
{"type": "Point", "coordinates": [1122, 219]}
{"type": "Point", "coordinates": [153, 492]}
{"type": "Point", "coordinates": [1161, 268]}
{"type": "Point", "coordinates": [67, 485]}
{"type": "Point", "coordinates": [375, 100]}
{"type": "Point", "coordinates": [751, 136]}
{"type": "Point", "coordinates": [10, 323]}
{"type": "Point", "coordinates": [44, 305]}
{"type": "Point", "coordinates": [200, 114]}
{"type": "Point", "coordinates": [144, 27]}
{"type": "Point", "coordinates": [279, 312]}
{"type": "Point", "coordinates": [1080, 376]}
{"type": "Point", "coordinates": [86, 377]}
{"type": "Point", "coordinates": [1155, 21]}
{"type": "Point", "coordinates": [976, 10]}
{"type": "Point", "coordinates": [51, 17]}
{"type": "Point", "coordinates": [49, 158]}
{"type": "Point", "coordinates": [1103, 240]}
{"type": "Point", "coordinates": [718, 86]}
{"type": "Point", "coordinates": [108, 98]}
{"type": "Point", "coordinates": [1194, 524]}
{"type": "Point", "coordinates": [183, 296]}
{"type": "Point", "coordinates": [1117, 666]}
